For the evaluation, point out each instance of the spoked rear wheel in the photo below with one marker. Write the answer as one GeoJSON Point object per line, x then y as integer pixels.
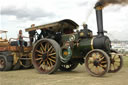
{"type": "Point", "coordinates": [116, 62]}
{"type": "Point", "coordinates": [45, 56]}
{"type": "Point", "coordinates": [68, 67]}
{"type": "Point", "coordinates": [97, 62]}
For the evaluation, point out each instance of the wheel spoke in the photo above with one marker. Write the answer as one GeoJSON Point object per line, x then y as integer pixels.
{"type": "Point", "coordinates": [41, 61]}
{"type": "Point", "coordinates": [118, 64]}
{"type": "Point", "coordinates": [114, 56]}
{"type": "Point", "coordinates": [53, 50]}
{"type": "Point", "coordinates": [92, 67]}
{"type": "Point", "coordinates": [38, 59]}
{"type": "Point", "coordinates": [39, 51]}
{"type": "Point", "coordinates": [46, 46]}
{"type": "Point", "coordinates": [52, 60]}
{"type": "Point", "coordinates": [97, 69]}
{"type": "Point", "coordinates": [40, 66]}
{"type": "Point", "coordinates": [48, 63]}
{"type": "Point", "coordinates": [94, 56]}
{"type": "Point", "coordinates": [90, 62]}
{"type": "Point", "coordinates": [103, 62]}
{"type": "Point", "coordinates": [104, 66]}
{"type": "Point", "coordinates": [39, 55]}
{"type": "Point", "coordinates": [43, 47]}
{"type": "Point", "coordinates": [101, 59]}
{"type": "Point", "coordinates": [49, 48]}
{"type": "Point", "coordinates": [113, 66]}
{"type": "Point", "coordinates": [98, 55]}
{"type": "Point", "coordinates": [53, 57]}
{"type": "Point", "coordinates": [52, 54]}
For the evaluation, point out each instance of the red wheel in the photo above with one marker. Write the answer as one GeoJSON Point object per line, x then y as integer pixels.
{"type": "Point", "coordinates": [45, 56]}
{"type": "Point", "coordinates": [97, 62]}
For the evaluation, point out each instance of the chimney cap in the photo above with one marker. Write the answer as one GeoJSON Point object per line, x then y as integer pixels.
{"type": "Point", "coordinates": [99, 5]}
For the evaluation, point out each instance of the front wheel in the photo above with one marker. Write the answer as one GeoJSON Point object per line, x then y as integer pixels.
{"type": "Point", "coordinates": [5, 65]}
{"type": "Point", "coordinates": [97, 62]}
{"type": "Point", "coordinates": [45, 56]}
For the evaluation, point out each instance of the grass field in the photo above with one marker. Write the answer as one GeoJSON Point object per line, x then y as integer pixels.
{"type": "Point", "coordinates": [77, 77]}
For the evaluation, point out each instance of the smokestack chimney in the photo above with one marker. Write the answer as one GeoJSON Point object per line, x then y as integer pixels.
{"type": "Point", "coordinates": [98, 8]}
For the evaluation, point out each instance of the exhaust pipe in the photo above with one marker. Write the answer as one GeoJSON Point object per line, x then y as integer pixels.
{"type": "Point", "coordinates": [99, 18]}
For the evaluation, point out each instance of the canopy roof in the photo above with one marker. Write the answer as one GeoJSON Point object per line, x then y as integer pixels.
{"type": "Point", "coordinates": [3, 31]}
{"type": "Point", "coordinates": [56, 26]}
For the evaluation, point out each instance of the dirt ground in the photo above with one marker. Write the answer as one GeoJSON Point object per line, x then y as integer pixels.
{"type": "Point", "coordinates": [77, 77]}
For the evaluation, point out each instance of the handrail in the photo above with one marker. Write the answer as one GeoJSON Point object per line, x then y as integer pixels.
{"type": "Point", "coordinates": [11, 39]}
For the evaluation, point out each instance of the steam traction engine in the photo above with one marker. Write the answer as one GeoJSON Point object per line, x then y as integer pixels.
{"type": "Point", "coordinates": [58, 46]}
{"type": "Point", "coordinates": [12, 56]}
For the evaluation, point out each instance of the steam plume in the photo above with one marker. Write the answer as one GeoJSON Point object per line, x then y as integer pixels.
{"type": "Point", "coordinates": [106, 2]}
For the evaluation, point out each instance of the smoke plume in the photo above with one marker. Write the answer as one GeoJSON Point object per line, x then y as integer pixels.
{"type": "Point", "coordinates": [107, 2]}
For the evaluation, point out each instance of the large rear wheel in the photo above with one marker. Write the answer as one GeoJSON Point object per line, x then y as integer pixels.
{"type": "Point", "coordinates": [45, 56]}
{"type": "Point", "coordinates": [97, 62]}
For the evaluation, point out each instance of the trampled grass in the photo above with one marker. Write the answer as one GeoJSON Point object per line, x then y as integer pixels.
{"type": "Point", "coordinates": [125, 60]}
{"type": "Point", "coordinates": [76, 77]}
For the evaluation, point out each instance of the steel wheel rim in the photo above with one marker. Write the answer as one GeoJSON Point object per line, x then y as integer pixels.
{"type": "Point", "coordinates": [2, 63]}
{"type": "Point", "coordinates": [116, 62]}
{"type": "Point", "coordinates": [97, 63]}
{"type": "Point", "coordinates": [44, 57]}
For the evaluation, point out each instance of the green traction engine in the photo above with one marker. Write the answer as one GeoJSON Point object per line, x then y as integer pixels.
{"type": "Point", "coordinates": [60, 45]}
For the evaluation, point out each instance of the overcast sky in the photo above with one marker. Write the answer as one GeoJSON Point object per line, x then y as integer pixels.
{"type": "Point", "coordinates": [20, 14]}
